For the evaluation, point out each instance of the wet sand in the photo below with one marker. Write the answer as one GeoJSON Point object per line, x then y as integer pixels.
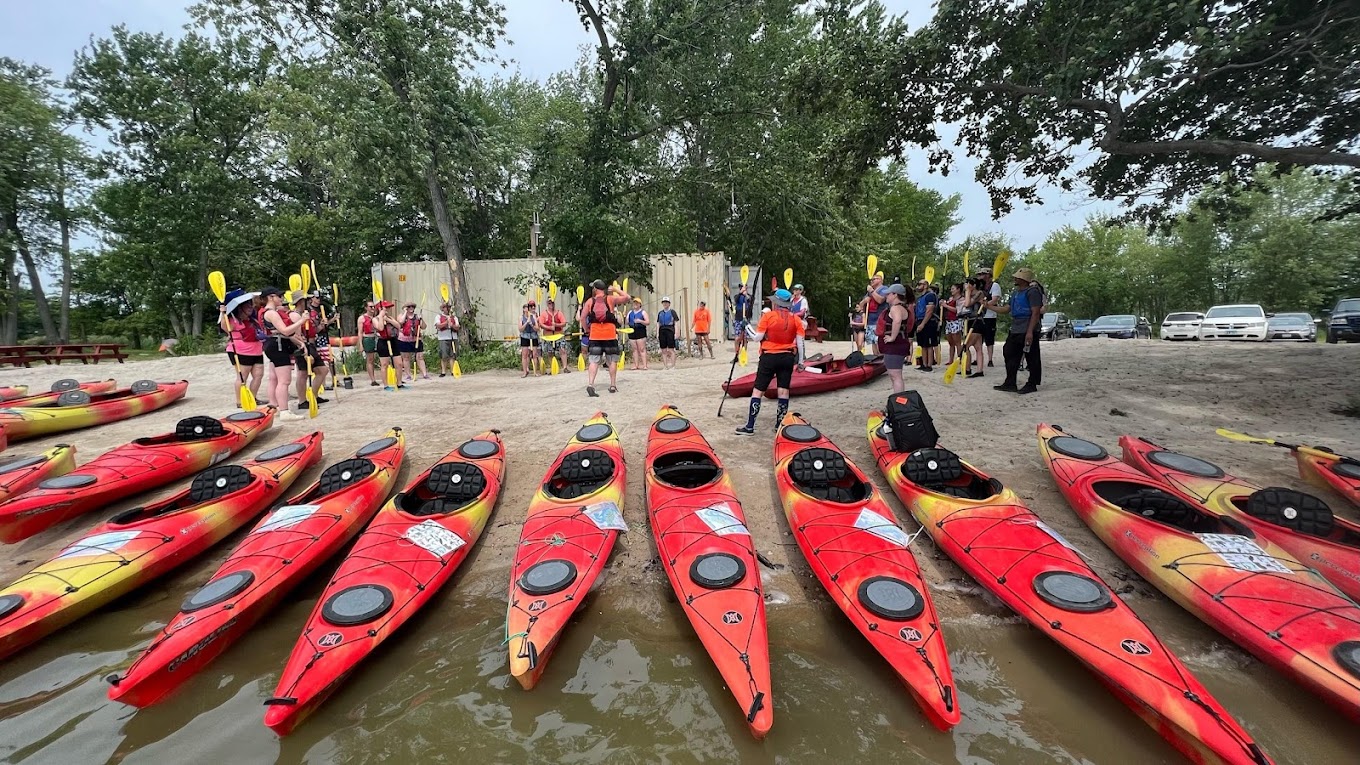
{"type": "Point", "coordinates": [630, 682]}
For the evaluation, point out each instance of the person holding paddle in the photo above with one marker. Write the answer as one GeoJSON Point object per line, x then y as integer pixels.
{"type": "Point", "coordinates": [777, 333]}
{"type": "Point", "coordinates": [387, 343]}
{"type": "Point", "coordinates": [245, 348]}
{"type": "Point", "coordinates": [600, 324]}
{"type": "Point", "coordinates": [279, 347]}
{"type": "Point", "coordinates": [368, 337]}
{"type": "Point", "coordinates": [528, 338]}
{"type": "Point", "coordinates": [553, 323]}
{"type": "Point", "coordinates": [411, 343]}
{"type": "Point", "coordinates": [446, 329]}
{"type": "Point", "coordinates": [307, 349]}
{"type": "Point", "coordinates": [1026, 309]}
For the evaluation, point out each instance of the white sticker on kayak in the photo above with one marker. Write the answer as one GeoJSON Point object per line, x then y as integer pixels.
{"type": "Point", "coordinates": [286, 517]}
{"type": "Point", "coordinates": [434, 538]}
{"type": "Point", "coordinates": [99, 544]}
{"type": "Point", "coordinates": [606, 515]}
{"type": "Point", "coordinates": [881, 527]}
{"type": "Point", "coordinates": [722, 520]}
{"type": "Point", "coordinates": [814, 370]}
{"type": "Point", "coordinates": [218, 457]}
{"type": "Point", "coordinates": [1049, 530]}
{"type": "Point", "coordinates": [1242, 553]}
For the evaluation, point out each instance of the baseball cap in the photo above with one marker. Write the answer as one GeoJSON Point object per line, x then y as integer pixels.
{"type": "Point", "coordinates": [666, 299]}
{"type": "Point", "coordinates": [897, 289]}
{"type": "Point", "coordinates": [798, 286]}
{"type": "Point", "coordinates": [598, 284]}
{"type": "Point", "coordinates": [267, 291]}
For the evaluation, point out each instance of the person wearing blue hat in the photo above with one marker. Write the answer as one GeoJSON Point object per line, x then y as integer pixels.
{"type": "Point", "coordinates": [245, 340]}
{"type": "Point", "coordinates": [778, 334]}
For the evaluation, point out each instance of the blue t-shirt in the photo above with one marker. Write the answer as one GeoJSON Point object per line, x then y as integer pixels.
{"type": "Point", "coordinates": [743, 306]}
{"type": "Point", "coordinates": [922, 302]}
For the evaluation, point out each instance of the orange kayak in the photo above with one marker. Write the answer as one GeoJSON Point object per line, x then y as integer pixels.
{"type": "Point", "coordinates": [573, 521]}
{"type": "Point", "coordinates": [707, 553]}
{"type": "Point", "coordinates": [1006, 548]}
{"type": "Point", "coordinates": [863, 559]}
{"type": "Point", "coordinates": [1233, 579]}
{"type": "Point", "coordinates": [19, 474]}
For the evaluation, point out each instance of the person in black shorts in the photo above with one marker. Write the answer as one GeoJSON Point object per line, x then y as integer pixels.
{"type": "Point", "coordinates": [987, 326]}
{"type": "Point", "coordinates": [777, 333]}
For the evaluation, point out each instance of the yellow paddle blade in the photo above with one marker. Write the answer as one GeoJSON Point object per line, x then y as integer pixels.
{"type": "Point", "coordinates": [745, 274]}
{"type": "Point", "coordinates": [872, 264]}
{"type": "Point", "coordinates": [444, 292]}
{"type": "Point", "coordinates": [742, 359]}
{"type": "Point", "coordinates": [377, 290]}
{"type": "Point", "coordinates": [457, 370]}
{"type": "Point", "coordinates": [1235, 436]}
{"type": "Point", "coordinates": [930, 274]}
{"type": "Point", "coordinates": [552, 291]}
{"type": "Point", "coordinates": [540, 295]}
{"type": "Point", "coordinates": [580, 294]}
{"type": "Point", "coordinates": [306, 277]}
{"type": "Point", "coordinates": [788, 278]}
{"type": "Point", "coordinates": [951, 370]}
{"type": "Point", "coordinates": [295, 282]}
{"type": "Point", "coordinates": [999, 267]}
{"type": "Point", "coordinates": [946, 262]}
{"type": "Point", "coordinates": [391, 376]}
{"type": "Point", "coordinates": [916, 355]}
{"type": "Point", "coordinates": [580, 362]}
{"type": "Point", "coordinates": [335, 294]}
{"type": "Point", "coordinates": [248, 401]}
{"type": "Point", "coordinates": [966, 271]}
{"type": "Point", "coordinates": [913, 268]}
{"type": "Point", "coordinates": [217, 282]}
{"type": "Point", "coordinates": [555, 368]}
{"type": "Point", "coordinates": [311, 403]}
{"type": "Point", "coordinates": [625, 284]}
{"type": "Point", "coordinates": [316, 278]}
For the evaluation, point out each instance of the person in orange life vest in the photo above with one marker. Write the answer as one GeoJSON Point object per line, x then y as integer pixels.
{"type": "Point", "coordinates": [446, 329]}
{"type": "Point", "coordinates": [279, 347]}
{"type": "Point", "coordinates": [411, 343]}
{"type": "Point", "coordinates": [701, 322]}
{"type": "Point", "coordinates": [553, 322]}
{"type": "Point", "coordinates": [245, 344]}
{"type": "Point", "coordinates": [528, 338]}
{"type": "Point", "coordinates": [600, 325]}
{"type": "Point", "coordinates": [368, 337]}
{"type": "Point", "coordinates": [778, 333]}
{"type": "Point", "coordinates": [309, 333]}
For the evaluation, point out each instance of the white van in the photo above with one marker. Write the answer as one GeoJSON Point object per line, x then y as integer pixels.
{"type": "Point", "coordinates": [1235, 322]}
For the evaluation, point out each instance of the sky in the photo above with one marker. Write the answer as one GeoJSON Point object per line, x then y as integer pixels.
{"type": "Point", "coordinates": [546, 37]}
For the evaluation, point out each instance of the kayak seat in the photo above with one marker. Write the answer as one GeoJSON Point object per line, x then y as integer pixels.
{"type": "Point", "coordinates": [1347, 468]}
{"type": "Point", "coordinates": [1292, 510]}
{"type": "Point", "coordinates": [217, 482]}
{"type": "Point", "coordinates": [343, 474]}
{"type": "Point", "coordinates": [1155, 504]}
{"type": "Point", "coordinates": [450, 486]}
{"type": "Point", "coordinates": [824, 474]}
{"type": "Point", "coordinates": [686, 470]}
{"type": "Point", "coordinates": [932, 467]}
{"type": "Point", "coordinates": [199, 428]}
{"type": "Point", "coordinates": [580, 473]}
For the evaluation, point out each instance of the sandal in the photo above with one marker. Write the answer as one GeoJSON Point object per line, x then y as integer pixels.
{"type": "Point", "coordinates": [590, 391]}
{"type": "Point", "coordinates": [613, 389]}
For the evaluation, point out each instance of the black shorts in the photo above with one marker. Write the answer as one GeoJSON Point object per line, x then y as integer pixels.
{"type": "Point", "coordinates": [987, 329]}
{"type": "Point", "coordinates": [639, 332]}
{"type": "Point", "coordinates": [387, 347]}
{"type": "Point", "coordinates": [777, 367]}
{"type": "Point", "coordinates": [928, 336]}
{"type": "Point", "coordinates": [528, 342]}
{"type": "Point", "coordinates": [279, 351]}
{"type": "Point", "coordinates": [245, 361]}
{"type": "Point", "coordinates": [666, 337]}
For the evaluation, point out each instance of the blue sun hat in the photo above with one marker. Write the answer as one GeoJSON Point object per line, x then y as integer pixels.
{"type": "Point", "coordinates": [782, 298]}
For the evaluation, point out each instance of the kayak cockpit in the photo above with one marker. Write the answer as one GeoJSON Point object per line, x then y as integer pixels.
{"type": "Point", "coordinates": [825, 475]}
{"type": "Point", "coordinates": [581, 472]}
{"type": "Point", "coordinates": [686, 470]}
{"type": "Point", "coordinates": [208, 486]}
{"type": "Point", "coordinates": [942, 472]}
{"type": "Point", "coordinates": [448, 488]}
{"type": "Point", "coordinates": [1299, 512]}
{"type": "Point", "coordinates": [1158, 505]}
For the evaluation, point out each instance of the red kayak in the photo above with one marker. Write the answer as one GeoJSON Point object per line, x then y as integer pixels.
{"type": "Point", "coordinates": [8, 392]}
{"type": "Point", "coordinates": [410, 550]}
{"type": "Point", "coordinates": [1299, 523]}
{"type": "Point", "coordinates": [708, 555]}
{"type": "Point", "coordinates": [1236, 581]}
{"type": "Point", "coordinates": [824, 375]}
{"type": "Point", "coordinates": [1006, 548]}
{"type": "Point", "coordinates": [277, 555]}
{"type": "Point", "coordinates": [75, 409]}
{"type": "Point", "coordinates": [564, 544]}
{"type": "Point", "coordinates": [863, 559]}
{"type": "Point", "coordinates": [19, 474]}
{"type": "Point", "coordinates": [141, 544]}
{"type": "Point", "coordinates": [741, 387]}
{"type": "Point", "coordinates": [59, 387]}
{"type": "Point", "coordinates": [144, 464]}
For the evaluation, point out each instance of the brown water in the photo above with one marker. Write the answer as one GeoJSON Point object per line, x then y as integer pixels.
{"type": "Point", "coordinates": [628, 684]}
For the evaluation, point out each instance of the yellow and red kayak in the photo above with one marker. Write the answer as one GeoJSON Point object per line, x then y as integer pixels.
{"type": "Point", "coordinates": [75, 409]}
{"type": "Point", "coordinates": [19, 474]}
{"type": "Point", "coordinates": [59, 387]}
{"type": "Point", "coordinates": [710, 559]}
{"type": "Point", "coordinates": [8, 392]}
{"type": "Point", "coordinates": [862, 557]}
{"type": "Point", "coordinates": [986, 529]}
{"type": "Point", "coordinates": [141, 544]}
{"type": "Point", "coordinates": [1233, 579]}
{"type": "Point", "coordinates": [573, 521]}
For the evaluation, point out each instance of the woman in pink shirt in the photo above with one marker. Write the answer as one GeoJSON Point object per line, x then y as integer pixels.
{"type": "Point", "coordinates": [245, 341]}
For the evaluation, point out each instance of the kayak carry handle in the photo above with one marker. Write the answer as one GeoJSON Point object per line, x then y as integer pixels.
{"type": "Point", "coordinates": [757, 704]}
{"type": "Point", "coordinates": [280, 701]}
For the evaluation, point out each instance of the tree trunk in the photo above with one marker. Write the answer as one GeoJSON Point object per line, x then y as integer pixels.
{"type": "Point", "coordinates": [31, 266]}
{"type": "Point", "coordinates": [196, 312]}
{"type": "Point", "coordinates": [9, 327]}
{"type": "Point", "coordinates": [176, 326]}
{"type": "Point", "coordinates": [64, 325]}
{"type": "Point", "coordinates": [448, 233]}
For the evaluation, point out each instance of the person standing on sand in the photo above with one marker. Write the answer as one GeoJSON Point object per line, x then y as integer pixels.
{"type": "Point", "coordinates": [778, 333]}
{"type": "Point", "coordinates": [411, 343]}
{"type": "Point", "coordinates": [387, 342]}
{"type": "Point", "coordinates": [953, 325]}
{"type": "Point", "coordinates": [1026, 309]}
{"type": "Point", "coordinates": [638, 321]}
{"type": "Point", "coordinates": [895, 325]}
{"type": "Point", "coordinates": [528, 338]}
{"type": "Point", "coordinates": [553, 322]}
{"type": "Point", "coordinates": [798, 306]}
{"type": "Point", "coordinates": [666, 319]}
{"type": "Point", "coordinates": [600, 325]}
{"type": "Point", "coordinates": [857, 328]}
{"type": "Point", "coordinates": [699, 326]}
{"type": "Point", "coordinates": [279, 347]}
{"type": "Point", "coordinates": [446, 329]}
{"type": "Point", "coordinates": [872, 303]}
{"type": "Point", "coordinates": [245, 346]}
{"type": "Point", "coordinates": [368, 338]}
{"type": "Point", "coordinates": [927, 325]}
{"type": "Point", "coordinates": [743, 307]}
{"type": "Point", "coordinates": [991, 293]}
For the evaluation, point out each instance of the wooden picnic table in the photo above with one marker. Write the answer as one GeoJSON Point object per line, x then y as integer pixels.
{"type": "Point", "coordinates": [25, 355]}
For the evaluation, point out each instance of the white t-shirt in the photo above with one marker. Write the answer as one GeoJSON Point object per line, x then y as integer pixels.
{"type": "Point", "coordinates": [995, 294]}
{"type": "Point", "coordinates": [444, 328]}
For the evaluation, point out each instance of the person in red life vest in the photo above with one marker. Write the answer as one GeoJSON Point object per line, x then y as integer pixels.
{"type": "Point", "coordinates": [323, 326]}
{"type": "Point", "coordinates": [778, 333]}
{"type": "Point", "coordinates": [600, 325]}
{"type": "Point", "coordinates": [245, 343]}
{"type": "Point", "coordinates": [308, 350]}
{"type": "Point", "coordinates": [282, 342]}
{"type": "Point", "coordinates": [553, 322]}
{"type": "Point", "coordinates": [896, 324]}
{"type": "Point", "coordinates": [368, 337]}
{"type": "Point", "coordinates": [411, 344]}
{"type": "Point", "coordinates": [387, 341]}
{"type": "Point", "coordinates": [446, 330]}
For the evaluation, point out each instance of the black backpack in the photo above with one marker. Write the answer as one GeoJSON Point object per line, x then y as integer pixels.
{"type": "Point", "coordinates": [855, 360]}
{"type": "Point", "coordinates": [907, 425]}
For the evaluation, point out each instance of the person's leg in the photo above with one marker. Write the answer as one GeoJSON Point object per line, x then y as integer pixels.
{"type": "Point", "coordinates": [612, 360]}
{"type": "Point", "coordinates": [283, 380]}
{"type": "Point", "coordinates": [256, 377]}
{"type": "Point", "coordinates": [1011, 352]}
{"type": "Point", "coordinates": [369, 358]}
{"type": "Point", "coordinates": [1035, 363]}
{"type": "Point", "coordinates": [524, 360]}
{"type": "Point", "coordinates": [420, 359]}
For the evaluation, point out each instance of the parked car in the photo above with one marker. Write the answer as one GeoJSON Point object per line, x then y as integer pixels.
{"type": "Point", "coordinates": [1183, 325]}
{"type": "Point", "coordinates": [1125, 326]}
{"type": "Point", "coordinates": [1344, 323]}
{"type": "Point", "coordinates": [1055, 326]}
{"type": "Point", "coordinates": [1234, 322]}
{"type": "Point", "coordinates": [1292, 326]}
{"type": "Point", "coordinates": [1079, 326]}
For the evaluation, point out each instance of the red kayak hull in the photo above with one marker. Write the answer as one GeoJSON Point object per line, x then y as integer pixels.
{"type": "Point", "coordinates": [19, 474]}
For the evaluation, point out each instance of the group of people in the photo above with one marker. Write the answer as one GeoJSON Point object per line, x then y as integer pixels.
{"type": "Point", "coordinates": [889, 319]}
{"type": "Point", "coordinates": [398, 340]}
{"type": "Point", "coordinates": [290, 332]}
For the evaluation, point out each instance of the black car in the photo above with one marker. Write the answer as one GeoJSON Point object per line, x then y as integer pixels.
{"type": "Point", "coordinates": [1055, 326]}
{"type": "Point", "coordinates": [1344, 323]}
{"type": "Point", "coordinates": [1126, 326]}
